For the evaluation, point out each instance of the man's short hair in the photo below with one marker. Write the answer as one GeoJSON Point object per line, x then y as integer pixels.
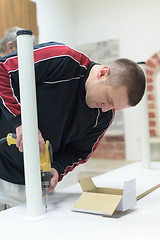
{"type": "Point", "coordinates": [10, 35]}
{"type": "Point", "coordinates": [125, 72]}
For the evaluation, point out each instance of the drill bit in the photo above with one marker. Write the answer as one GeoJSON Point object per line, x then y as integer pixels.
{"type": "Point", "coordinates": [45, 203]}
{"type": "Point", "coordinates": [45, 194]}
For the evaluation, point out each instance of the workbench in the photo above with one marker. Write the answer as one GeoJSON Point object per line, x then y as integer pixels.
{"type": "Point", "coordinates": [141, 222]}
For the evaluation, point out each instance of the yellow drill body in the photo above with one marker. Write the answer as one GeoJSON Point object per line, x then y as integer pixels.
{"type": "Point", "coordinates": [45, 165]}
{"type": "Point", "coordinates": [11, 139]}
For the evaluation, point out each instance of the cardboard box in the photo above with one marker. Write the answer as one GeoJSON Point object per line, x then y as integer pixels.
{"type": "Point", "coordinates": [105, 201]}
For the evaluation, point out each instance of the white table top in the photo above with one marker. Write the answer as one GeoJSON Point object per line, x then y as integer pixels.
{"type": "Point", "coordinates": [142, 222]}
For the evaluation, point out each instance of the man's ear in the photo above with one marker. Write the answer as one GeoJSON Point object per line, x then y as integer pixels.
{"type": "Point", "coordinates": [103, 72]}
{"type": "Point", "coordinates": [10, 47]}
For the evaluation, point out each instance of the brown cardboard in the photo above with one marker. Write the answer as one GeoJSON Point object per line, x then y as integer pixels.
{"type": "Point", "coordinates": [147, 192]}
{"type": "Point", "coordinates": [103, 201]}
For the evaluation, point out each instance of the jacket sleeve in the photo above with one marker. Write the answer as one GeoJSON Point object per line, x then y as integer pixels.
{"type": "Point", "coordinates": [79, 152]}
{"type": "Point", "coordinates": [49, 67]}
{"type": "Point", "coordinates": [9, 103]}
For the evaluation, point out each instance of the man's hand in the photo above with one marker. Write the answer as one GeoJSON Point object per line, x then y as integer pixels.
{"type": "Point", "coordinates": [19, 142]}
{"type": "Point", "coordinates": [54, 179]}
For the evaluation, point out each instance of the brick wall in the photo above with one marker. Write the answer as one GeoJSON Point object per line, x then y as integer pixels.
{"type": "Point", "coordinates": [113, 147]}
{"type": "Point", "coordinates": [152, 67]}
{"type": "Point", "coordinates": [110, 147]}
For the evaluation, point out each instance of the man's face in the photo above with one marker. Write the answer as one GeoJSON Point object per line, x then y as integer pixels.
{"type": "Point", "coordinates": [101, 95]}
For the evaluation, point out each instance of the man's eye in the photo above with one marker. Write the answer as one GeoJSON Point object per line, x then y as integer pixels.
{"type": "Point", "coordinates": [109, 101]}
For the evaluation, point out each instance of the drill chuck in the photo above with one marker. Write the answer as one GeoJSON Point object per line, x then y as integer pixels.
{"type": "Point", "coordinates": [45, 177]}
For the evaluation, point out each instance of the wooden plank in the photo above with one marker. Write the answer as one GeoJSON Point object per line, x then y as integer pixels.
{"type": "Point", "coordinates": [3, 17]}
{"type": "Point", "coordinates": [147, 192]}
{"type": "Point", "coordinates": [33, 18]}
{"type": "Point", "coordinates": [21, 13]}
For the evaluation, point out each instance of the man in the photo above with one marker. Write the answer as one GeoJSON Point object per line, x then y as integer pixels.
{"type": "Point", "coordinates": [76, 102]}
{"type": "Point", "coordinates": [8, 43]}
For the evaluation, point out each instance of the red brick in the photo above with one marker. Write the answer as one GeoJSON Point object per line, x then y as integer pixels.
{"type": "Point", "coordinates": [109, 145]}
{"type": "Point", "coordinates": [149, 79]}
{"type": "Point", "coordinates": [151, 106]}
{"type": "Point", "coordinates": [150, 97]}
{"type": "Point", "coordinates": [158, 62]}
{"type": "Point", "coordinates": [114, 138]}
{"type": "Point", "coordinates": [113, 155]}
{"type": "Point", "coordinates": [95, 154]}
{"type": "Point", "coordinates": [152, 123]}
{"type": "Point", "coordinates": [112, 149]}
{"type": "Point", "coordinates": [156, 58]}
{"type": "Point", "coordinates": [150, 88]}
{"type": "Point", "coordinates": [149, 72]}
{"type": "Point", "coordinates": [152, 115]}
{"type": "Point", "coordinates": [119, 146]}
{"type": "Point", "coordinates": [151, 64]}
{"type": "Point", "coordinates": [152, 132]}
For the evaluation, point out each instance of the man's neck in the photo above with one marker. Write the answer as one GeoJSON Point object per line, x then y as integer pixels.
{"type": "Point", "coordinates": [93, 73]}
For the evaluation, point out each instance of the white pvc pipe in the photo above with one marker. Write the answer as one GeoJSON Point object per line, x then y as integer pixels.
{"type": "Point", "coordinates": [34, 201]}
{"type": "Point", "coordinates": [144, 123]}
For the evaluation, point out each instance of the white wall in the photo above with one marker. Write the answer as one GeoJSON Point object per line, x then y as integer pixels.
{"type": "Point", "coordinates": [55, 21]}
{"type": "Point", "coordinates": [135, 23]}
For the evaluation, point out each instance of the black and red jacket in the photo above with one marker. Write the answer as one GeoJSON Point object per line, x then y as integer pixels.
{"type": "Point", "coordinates": [73, 129]}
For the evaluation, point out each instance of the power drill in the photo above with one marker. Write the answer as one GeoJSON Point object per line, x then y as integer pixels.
{"type": "Point", "coordinates": [45, 163]}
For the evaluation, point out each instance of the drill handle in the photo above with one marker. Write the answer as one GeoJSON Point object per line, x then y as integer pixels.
{"type": "Point", "coordinates": [11, 138]}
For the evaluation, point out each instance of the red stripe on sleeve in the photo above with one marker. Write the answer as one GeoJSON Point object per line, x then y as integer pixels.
{"type": "Point", "coordinates": [60, 51]}
{"type": "Point", "coordinates": [11, 64]}
{"type": "Point", "coordinates": [6, 92]}
{"type": "Point", "coordinates": [49, 52]}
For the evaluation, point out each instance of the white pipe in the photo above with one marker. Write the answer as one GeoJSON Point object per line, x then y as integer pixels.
{"type": "Point", "coordinates": [144, 123]}
{"type": "Point", "coordinates": [34, 201]}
